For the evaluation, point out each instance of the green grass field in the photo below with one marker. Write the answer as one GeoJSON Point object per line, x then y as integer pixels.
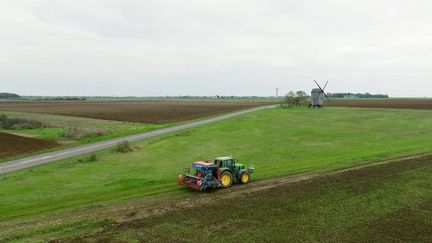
{"type": "Point", "coordinates": [277, 141]}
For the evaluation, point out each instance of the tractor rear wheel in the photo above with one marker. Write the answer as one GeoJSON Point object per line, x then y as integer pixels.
{"type": "Point", "coordinates": [226, 179]}
{"type": "Point", "coordinates": [244, 177]}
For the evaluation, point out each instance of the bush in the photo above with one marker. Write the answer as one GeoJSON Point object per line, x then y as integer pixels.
{"type": "Point", "coordinates": [299, 98]}
{"type": "Point", "coordinates": [91, 157]}
{"type": "Point", "coordinates": [3, 119]}
{"type": "Point", "coordinates": [18, 123]}
{"type": "Point", "coordinates": [123, 147]}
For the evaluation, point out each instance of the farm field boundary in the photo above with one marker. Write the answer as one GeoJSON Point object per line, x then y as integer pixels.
{"type": "Point", "coordinates": [423, 104]}
{"type": "Point", "coordinates": [84, 149]}
{"type": "Point", "coordinates": [63, 131]}
{"type": "Point", "coordinates": [140, 111]}
{"type": "Point", "coordinates": [11, 144]}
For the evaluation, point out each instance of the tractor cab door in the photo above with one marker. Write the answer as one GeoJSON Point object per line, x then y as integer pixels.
{"type": "Point", "coordinates": [227, 163]}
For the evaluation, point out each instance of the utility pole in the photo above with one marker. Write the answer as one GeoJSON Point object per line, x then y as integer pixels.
{"type": "Point", "coordinates": [277, 92]}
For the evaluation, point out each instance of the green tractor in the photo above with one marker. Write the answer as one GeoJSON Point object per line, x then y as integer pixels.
{"type": "Point", "coordinates": [221, 172]}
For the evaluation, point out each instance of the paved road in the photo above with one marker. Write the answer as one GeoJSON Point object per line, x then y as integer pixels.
{"type": "Point", "coordinates": [19, 164]}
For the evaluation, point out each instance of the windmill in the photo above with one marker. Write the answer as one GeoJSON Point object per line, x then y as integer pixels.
{"type": "Point", "coordinates": [317, 96]}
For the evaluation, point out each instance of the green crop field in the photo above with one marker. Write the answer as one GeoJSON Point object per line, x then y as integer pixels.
{"type": "Point", "coordinates": [277, 141]}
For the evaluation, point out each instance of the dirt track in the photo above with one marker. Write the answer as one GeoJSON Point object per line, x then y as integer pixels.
{"type": "Point", "coordinates": [11, 145]}
{"type": "Point", "coordinates": [425, 104]}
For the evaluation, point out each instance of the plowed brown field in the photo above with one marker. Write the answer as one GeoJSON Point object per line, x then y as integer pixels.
{"type": "Point", "coordinates": [146, 111]}
{"type": "Point", "coordinates": [11, 145]}
{"type": "Point", "coordinates": [385, 103]}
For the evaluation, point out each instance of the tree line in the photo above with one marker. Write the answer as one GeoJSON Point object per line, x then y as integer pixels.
{"type": "Point", "coordinates": [356, 95]}
{"type": "Point", "coordinates": [9, 96]}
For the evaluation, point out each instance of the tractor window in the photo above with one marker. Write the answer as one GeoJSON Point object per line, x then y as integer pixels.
{"type": "Point", "coordinates": [228, 163]}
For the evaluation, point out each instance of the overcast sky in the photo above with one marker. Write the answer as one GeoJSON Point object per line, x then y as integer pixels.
{"type": "Point", "coordinates": [225, 47]}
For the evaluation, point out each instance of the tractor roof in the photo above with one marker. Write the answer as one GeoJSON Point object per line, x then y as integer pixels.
{"type": "Point", "coordinates": [203, 163]}
{"type": "Point", "coordinates": [224, 158]}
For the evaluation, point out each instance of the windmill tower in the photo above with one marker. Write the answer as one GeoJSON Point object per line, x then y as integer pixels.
{"type": "Point", "coordinates": [317, 96]}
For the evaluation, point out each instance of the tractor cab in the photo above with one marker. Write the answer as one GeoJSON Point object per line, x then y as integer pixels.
{"type": "Point", "coordinates": [225, 162]}
{"type": "Point", "coordinates": [229, 163]}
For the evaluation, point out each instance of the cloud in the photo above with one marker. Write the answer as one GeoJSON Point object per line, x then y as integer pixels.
{"type": "Point", "coordinates": [61, 47]}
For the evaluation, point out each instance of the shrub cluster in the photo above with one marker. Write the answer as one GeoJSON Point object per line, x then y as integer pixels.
{"type": "Point", "coordinates": [90, 158]}
{"type": "Point", "coordinates": [123, 147]}
{"type": "Point", "coordinates": [299, 98]}
{"type": "Point", "coordinates": [19, 123]}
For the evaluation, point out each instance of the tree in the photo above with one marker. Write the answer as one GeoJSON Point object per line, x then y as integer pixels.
{"type": "Point", "coordinates": [289, 99]}
{"type": "Point", "coordinates": [301, 98]}
{"type": "Point", "coordinates": [292, 98]}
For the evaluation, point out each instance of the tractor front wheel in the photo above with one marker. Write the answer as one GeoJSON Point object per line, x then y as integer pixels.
{"type": "Point", "coordinates": [226, 179]}
{"type": "Point", "coordinates": [244, 177]}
